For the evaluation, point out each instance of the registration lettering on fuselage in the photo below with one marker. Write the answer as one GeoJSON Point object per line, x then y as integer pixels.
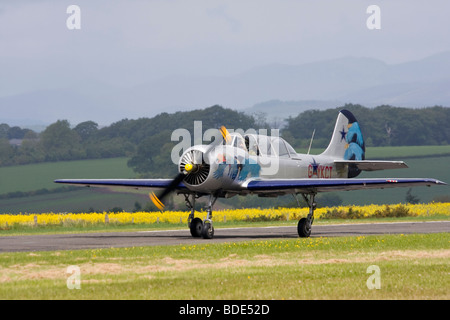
{"type": "Point", "coordinates": [319, 171]}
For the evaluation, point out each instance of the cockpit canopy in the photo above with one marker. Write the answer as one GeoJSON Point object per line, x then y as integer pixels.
{"type": "Point", "coordinates": [262, 145]}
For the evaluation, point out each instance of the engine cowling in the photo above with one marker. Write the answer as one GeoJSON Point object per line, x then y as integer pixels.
{"type": "Point", "coordinates": [195, 166]}
{"type": "Point", "coordinates": [208, 170]}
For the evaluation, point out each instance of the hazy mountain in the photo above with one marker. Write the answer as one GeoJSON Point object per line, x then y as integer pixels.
{"type": "Point", "coordinates": [330, 83]}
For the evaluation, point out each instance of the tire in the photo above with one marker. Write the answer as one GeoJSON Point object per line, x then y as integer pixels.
{"type": "Point", "coordinates": [196, 227]}
{"type": "Point", "coordinates": [207, 231]}
{"type": "Point", "coordinates": [304, 231]}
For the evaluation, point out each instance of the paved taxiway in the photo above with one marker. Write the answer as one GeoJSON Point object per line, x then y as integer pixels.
{"type": "Point", "coordinates": [174, 237]}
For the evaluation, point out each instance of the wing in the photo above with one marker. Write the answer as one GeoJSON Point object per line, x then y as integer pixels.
{"type": "Point", "coordinates": [132, 183]}
{"type": "Point", "coordinates": [285, 186]}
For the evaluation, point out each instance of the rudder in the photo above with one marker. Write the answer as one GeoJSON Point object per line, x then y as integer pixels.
{"type": "Point", "coordinates": [347, 141]}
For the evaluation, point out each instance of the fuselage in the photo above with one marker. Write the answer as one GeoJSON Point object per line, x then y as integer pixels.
{"type": "Point", "coordinates": [226, 167]}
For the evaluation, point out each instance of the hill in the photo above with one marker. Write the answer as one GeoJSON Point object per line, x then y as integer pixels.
{"type": "Point", "coordinates": [362, 80]}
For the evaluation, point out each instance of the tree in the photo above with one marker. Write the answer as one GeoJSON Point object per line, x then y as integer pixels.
{"type": "Point", "coordinates": [59, 142]}
{"type": "Point", "coordinates": [86, 129]}
{"type": "Point", "coordinates": [153, 136]}
{"type": "Point", "coordinates": [7, 152]}
{"type": "Point", "coordinates": [382, 126]}
{"type": "Point", "coordinates": [4, 128]}
{"type": "Point", "coordinates": [410, 198]}
{"type": "Point", "coordinates": [17, 132]}
{"type": "Point", "coordinates": [143, 161]}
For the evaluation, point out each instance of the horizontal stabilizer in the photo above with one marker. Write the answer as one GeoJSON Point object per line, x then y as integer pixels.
{"type": "Point", "coordinates": [373, 165]}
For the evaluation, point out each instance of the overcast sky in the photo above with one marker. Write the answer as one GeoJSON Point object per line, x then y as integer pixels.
{"type": "Point", "coordinates": [129, 42]}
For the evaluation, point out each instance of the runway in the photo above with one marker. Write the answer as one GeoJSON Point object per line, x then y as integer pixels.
{"type": "Point", "coordinates": [176, 237]}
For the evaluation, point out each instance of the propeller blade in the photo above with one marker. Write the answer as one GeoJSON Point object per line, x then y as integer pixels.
{"type": "Point", "coordinates": [158, 200]}
{"type": "Point", "coordinates": [226, 135]}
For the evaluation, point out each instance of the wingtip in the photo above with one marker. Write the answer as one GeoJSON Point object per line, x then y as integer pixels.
{"type": "Point", "coordinates": [437, 182]}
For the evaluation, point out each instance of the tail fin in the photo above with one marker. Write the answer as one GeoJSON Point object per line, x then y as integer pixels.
{"type": "Point", "coordinates": [347, 142]}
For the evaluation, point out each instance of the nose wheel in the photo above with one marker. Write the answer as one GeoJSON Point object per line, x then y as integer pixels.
{"type": "Point", "coordinates": [197, 227]}
{"type": "Point", "coordinates": [200, 229]}
{"type": "Point", "coordinates": [207, 230]}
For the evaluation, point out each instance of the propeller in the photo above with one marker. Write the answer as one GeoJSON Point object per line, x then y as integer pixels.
{"type": "Point", "coordinates": [157, 200]}
{"type": "Point", "coordinates": [193, 168]}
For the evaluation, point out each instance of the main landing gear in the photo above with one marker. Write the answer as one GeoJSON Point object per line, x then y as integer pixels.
{"type": "Point", "coordinates": [304, 225]}
{"type": "Point", "coordinates": [198, 227]}
{"type": "Point", "coordinates": [205, 228]}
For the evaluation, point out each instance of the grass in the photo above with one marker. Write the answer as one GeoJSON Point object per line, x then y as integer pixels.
{"type": "Point", "coordinates": [130, 221]}
{"type": "Point", "coordinates": [79, 200]}
{"type": "Point", "coordinates": [412, 267]}
{"type": "Point", "coordinates": [41, 175]}
{"type": "Point", "coordinates": [405, 152]}
{"type": "Point", "coordinates": [18, 230]}
{"type": "Point", "coordinates": [33, 177]}
{"type": "Point", "coordinates": [432, 167]}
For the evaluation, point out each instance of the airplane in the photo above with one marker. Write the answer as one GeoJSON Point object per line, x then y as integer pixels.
{"type": "Point", "coordinates": [267, 166]}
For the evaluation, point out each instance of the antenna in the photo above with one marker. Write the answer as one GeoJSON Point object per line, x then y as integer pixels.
{"type": "Point", "coordinates": [312, 138]}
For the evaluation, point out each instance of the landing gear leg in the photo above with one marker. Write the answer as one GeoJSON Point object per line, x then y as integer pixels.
{"type": "Point", "coordinates": [195, 224]}
{"type": "Point", "coordinates": [208, 229]}
{"type": "Point", "coordinates": [304, 225]}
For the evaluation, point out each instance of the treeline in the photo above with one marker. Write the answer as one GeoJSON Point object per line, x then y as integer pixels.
{"type": "Point", "coordinates": [60, 142]}
{"type": "Point", "coordinates": [381, 126]}
{"type": "Point", "coordinates": [9, 133]}
{"type": "Point", "coordinates": [147, 141]}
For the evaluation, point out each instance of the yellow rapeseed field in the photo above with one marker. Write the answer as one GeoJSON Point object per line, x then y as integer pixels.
{"type": "Point", "coordinates": [176, 217]}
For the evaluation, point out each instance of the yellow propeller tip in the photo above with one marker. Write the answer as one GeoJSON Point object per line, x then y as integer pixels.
{"type": "Point", "coordinates": [225, 133]}
{"type": "Point", "coordinates": [156, 201]}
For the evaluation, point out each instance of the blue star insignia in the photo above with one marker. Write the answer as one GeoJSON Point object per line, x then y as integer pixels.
{"type": "Point", "coordinates": [315, 166]}
{"type": "Point", "coordinates": [343, 133]}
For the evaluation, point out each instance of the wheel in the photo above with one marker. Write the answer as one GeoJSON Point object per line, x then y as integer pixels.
{"type": "Point", "coordinates": [196, 227]}
{"type": "Point", "coordinates": [207, 231]}
{"type": "Point", "coordinates": [304, 228]}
